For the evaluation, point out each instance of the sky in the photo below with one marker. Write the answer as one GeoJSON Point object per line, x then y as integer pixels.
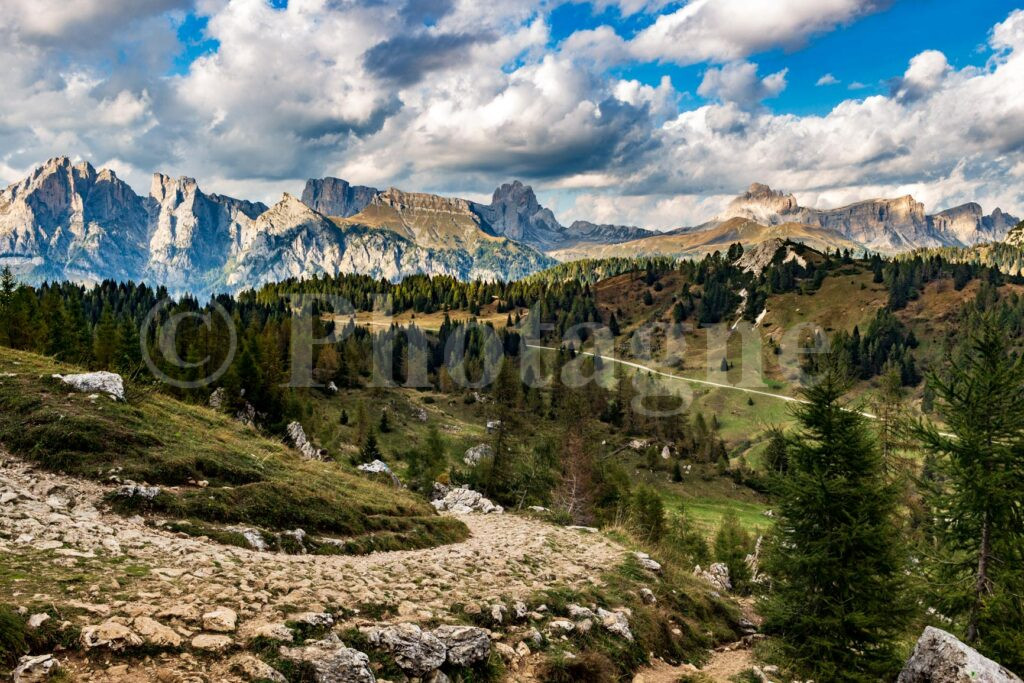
{"type": "Point", "coordinates": [641, 112]}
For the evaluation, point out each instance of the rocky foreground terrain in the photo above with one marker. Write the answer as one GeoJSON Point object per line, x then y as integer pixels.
{"type": "Point", "coordinates": [193, 607]}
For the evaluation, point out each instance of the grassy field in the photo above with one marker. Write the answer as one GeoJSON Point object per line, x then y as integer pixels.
{"type": "Point", "coordinates": [251, 480]}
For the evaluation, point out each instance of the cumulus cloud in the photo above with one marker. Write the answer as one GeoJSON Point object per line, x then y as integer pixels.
{"type": "Point", "coordinates": [739, 83]}
{"type": "Point", "coordinates": [926, 73]}
{"type": "Point", "coordinates": [727, 30]}
{"type": "Point", "coordinates": [827, 79]}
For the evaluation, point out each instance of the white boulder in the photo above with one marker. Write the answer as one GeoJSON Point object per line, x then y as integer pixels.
{"type": "Point", "coordinates": [109, 383]}
{"type": "Point", "coordinates": [940, 657]}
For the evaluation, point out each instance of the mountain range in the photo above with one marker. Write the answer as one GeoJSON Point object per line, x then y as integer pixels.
{"type": "Point", "coordinates": [69, 221]}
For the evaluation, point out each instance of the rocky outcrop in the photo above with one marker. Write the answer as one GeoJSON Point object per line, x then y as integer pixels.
{"type": "Point", "coordinates": [894, 224]}
{"type": "Point", "coordinates": [716, 576]}
{"type": "Point", "coordinates": [462, 501]}
{"type": "Point", "coordinates": [297, 435]}
{"type": "Point", "coordinates": [941, 657]}
{"type": "Point", "coordinates": [1016, 235]}
{"type": "Point", "coordinates": [336, 197]}
{"type": "Point", "coordinates": [380, 467]}
{"type": "Point", "coordinates": [475, 454]}
{"type": "Point", "coordinates": [108, 383]}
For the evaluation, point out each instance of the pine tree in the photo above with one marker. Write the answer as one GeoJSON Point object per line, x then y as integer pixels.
{"type": "Point", "coordinates": [976, 496]}
{"type": "Point", "coordinates": [732, 545]}
{"type": "Point", "coordinates": [426, 463]}
{"type": "Point", "coordinates": [833, 557]}
{"type": "Point", "coordinates": [370, 450]}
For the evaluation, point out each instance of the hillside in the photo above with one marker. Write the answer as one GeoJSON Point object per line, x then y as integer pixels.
{"type": "Point", "coordinates": [697, 243]}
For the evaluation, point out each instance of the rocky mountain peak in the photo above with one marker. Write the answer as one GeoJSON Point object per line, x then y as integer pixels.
{"type": "Point", "coordinates": [762, 204]}
{"type": "Point", "coordinates": [336, 197]}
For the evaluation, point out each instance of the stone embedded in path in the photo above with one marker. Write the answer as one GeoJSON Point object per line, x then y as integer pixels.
{"type": "Point", "coordinates": [331, 661]}
{"type": "Point", "coordinates": [221, 620]}
{"type": "Point", "coordinates": [255, 669]}
{"type": "Point", "coordinates": [109, 634]}
{"type": "Point", "coordinates": [941, 658]}
{"type": "Point", "coordinates": [156, 634]}
{"type": "Point", "coordinates": [417, 652]}
{"type": "Point", "coordinates": [466, 645]}
{"type": "Point", "coordinates": [212, 643]}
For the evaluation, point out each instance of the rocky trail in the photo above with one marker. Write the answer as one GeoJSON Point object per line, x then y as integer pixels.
{"type": "Point", "coordinates": [64, 552]}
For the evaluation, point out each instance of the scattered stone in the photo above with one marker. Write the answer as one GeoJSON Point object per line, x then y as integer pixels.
{"type": "Point", "coordinates": [666, 453]}
{"type": "Point", "coordinates": [616, 623]}
{"type": "Point", "coordinates": [497, 613]}
{"type": "Point", "coordinates": [716, 575]}
{"type": "Point", "coordinates": [380, 467]}
{"type": "Point", "coordinates": [332, 387]}
{"type": "Point", "coordinates": [415, 651]}
{"type": "Point", "coordinates": [255, 669]}
{"type": "Point", "coordinates": [109, 383]}
{"type": "Point", "coordinates": [647, 563]}
{"type": "Point", "coordinates": [519, 610]}
{"type": "Point", "coordinates": [156, 634]}
{"type": "Point", "coordinates": [109, 634]}
{"type": "Point", "coordinates": [940, 656]}
{"type": "Point", "coordinates": [437, 676]}
{"type": "Point", "coordinates": [465, 645]}
{"type": "Point", "coordinates": [220, 620]}
{"type": "Point", "coordinates": [477, 453]}
{"type": "Point", "coordinates": [297, 435]}
{"type": "Point", "coordinates": [212, 643]}
{"type": "Point", "coordinates": [132, 490]}
{"type": "Point", "coordinates": [37, 620]}
{"type": "Point", "coordinates": [218, 398]}
{"type": "Point", "coordinates": [420, 414]}
{"type": "Point", "coordinates": [638, 444]}
{"type": "Point", "coordinates": [647, 595]}
{"type": "Point", "coordinates": [493, 426]}
{"type": "Point", "coordinates": [255, 539]}
{"type": "Point", "coordinates": [35, 669]}
{"type": "Point", "coordinates": [576, 613]}
{"type": "Point", "coordinates": [561, 626]}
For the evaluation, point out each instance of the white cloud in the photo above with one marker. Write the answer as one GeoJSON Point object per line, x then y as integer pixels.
{"type": "Point", "coordinates": [739, 83]}
{"type": "Point", "coordinates": [926, 73]}
{"type": "Point", "coordinates": [827, 79]}
{"type": "Point", "coordinates": [727, 30]}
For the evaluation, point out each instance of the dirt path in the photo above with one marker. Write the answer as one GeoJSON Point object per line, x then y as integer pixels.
{"type": "Point", "coordinates": [60, 548]}
{"type": "Point", "coordinates": [721, 667]}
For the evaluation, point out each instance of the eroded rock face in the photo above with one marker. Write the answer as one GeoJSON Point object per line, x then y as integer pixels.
{"type": "Point", "coordinates": [336, 197]}
{"type": "Point", "coordinates": [940, 657]}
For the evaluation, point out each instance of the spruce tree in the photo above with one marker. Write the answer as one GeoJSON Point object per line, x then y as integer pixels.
{"type": "Point", "coordinates": [370, 450]}
{"type": "Point", "coordinates": [732, 545]}
{"type": "Point", "coordinates": [976, 489]}
{"type": "Point", "coordinates": [834, 558]}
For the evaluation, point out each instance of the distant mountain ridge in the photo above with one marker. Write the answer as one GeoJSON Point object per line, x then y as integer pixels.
{"type": "Point", "coordinates": [69, 221]}
{"type": "Point", "coordinates": [895, 224]}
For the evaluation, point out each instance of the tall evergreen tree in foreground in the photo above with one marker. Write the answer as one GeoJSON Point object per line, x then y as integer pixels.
{"type": "Point", "coordinates": [834, 557]}
{"type": "Point", "coordinates": [976, 496]}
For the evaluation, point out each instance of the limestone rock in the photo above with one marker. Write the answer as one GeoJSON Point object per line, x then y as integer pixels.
{"type": "Point", "coordinates": [109, 634]}
{"type": "Point", "coordinates": [331, 661]}
{"type": "Point", "coordinates": [156, 634]}
{"type": "Point", "coordinates": [381, 467]}
{"type": "Point", "coordinates": [462, 500]}
{"type": "Point", "coordinates": [477, 453]}
{"type": "Point", "coordinates": [297, 435]}
{"type": "Point", "coordinates": [212, 643]}
{"type": "Point", "coordinates": [109, 383]}
{"type": "Point", "coordinates": [940, 657]}
{"type": "Point", "coordinates": [35, 669]}
{"type": "Point", "coordinates": [466, 645]}
{"type": "Point", "coordinates": [716, 575]}
{"type": "Point", "coordinates": [647, 563]}
{"type": "Point", "coordinates": [255, 669]}
{"type": "Point", "coordinates": [220, 620]}
{"type": "Point", "coordinates": [615, 623]}
{"type": "Point", "coordinates": [417, 652]}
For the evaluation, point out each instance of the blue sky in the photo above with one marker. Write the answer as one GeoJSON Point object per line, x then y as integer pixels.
{"type": "Point", "coordinates": [645, 112]}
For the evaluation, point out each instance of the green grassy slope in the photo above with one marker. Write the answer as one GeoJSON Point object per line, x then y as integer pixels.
{"type": "Point", "coordinates": [251, 480]}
